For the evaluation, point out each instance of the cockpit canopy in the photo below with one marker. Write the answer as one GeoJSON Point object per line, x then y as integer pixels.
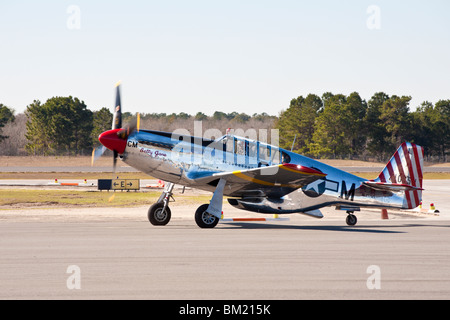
{"type": "Point", "coordinates": [252, 152]}
{"type": "Point", "coordinates": [228, 149]}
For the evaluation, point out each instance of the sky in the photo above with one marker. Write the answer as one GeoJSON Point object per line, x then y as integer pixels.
{"type": "Point", "coordinates": [205, 56]}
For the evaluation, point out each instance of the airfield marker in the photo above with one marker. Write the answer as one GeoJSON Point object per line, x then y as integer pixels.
{"type": "Point", "coordinates": [432, 209]}
{"type": "Point", "coordinates": [384, 214]}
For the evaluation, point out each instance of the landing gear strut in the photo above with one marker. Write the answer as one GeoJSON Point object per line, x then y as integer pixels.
{"type": "Point", "coordinates": [351, 219]}
{"type": "Point", "coordinates": [159, 213]}
{"type": "Point", "coordinates": [208, 215]}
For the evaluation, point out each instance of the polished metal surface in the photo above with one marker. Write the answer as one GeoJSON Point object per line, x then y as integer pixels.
{"type": "Point", "coordinates": [246, 165]}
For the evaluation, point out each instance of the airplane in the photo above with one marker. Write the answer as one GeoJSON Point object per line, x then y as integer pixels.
{"type": "Point", "coordinates": [256, 176]}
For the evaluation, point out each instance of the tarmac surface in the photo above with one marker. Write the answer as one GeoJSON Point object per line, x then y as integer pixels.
{"type": "Point", "coordinates": [101, 253]}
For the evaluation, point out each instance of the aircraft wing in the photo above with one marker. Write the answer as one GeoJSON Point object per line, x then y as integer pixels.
{"type": "Point", "coordinates": [271, 181]}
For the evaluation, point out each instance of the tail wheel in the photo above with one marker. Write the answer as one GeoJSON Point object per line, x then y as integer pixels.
{"type": "Point", "coordinates": [351, 219]}
{"type": "Point", "coordinates": [158, 216]}
{"type": "Point", "coordinates": [205, 219]}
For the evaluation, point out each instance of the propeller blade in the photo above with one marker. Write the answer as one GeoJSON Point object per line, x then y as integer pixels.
{"type": "Point", "coordinates": [138, 115]}
{"type": "Point", "coordinates": [116, 154]}
{"type": "Point", "coordinates": [112, 198]}
{"type": "Point", "coordinates": [97, 153]}
{"type": "Point", "coordinates": [117, 120]}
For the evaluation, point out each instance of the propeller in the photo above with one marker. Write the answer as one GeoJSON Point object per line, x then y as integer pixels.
{"type": "Point", "coordinates": [117, 120]}
{"type": "Point", "coordinates": [125, 132]}
{"type": "Point", "coordinates": [122, 133]}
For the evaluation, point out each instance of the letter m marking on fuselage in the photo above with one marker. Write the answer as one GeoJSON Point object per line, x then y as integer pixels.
{"type": "Point", "coordinates": [347, 195]}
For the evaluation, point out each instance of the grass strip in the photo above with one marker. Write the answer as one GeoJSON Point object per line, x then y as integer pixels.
{"type": "Point", "coordinates": [18, 198]}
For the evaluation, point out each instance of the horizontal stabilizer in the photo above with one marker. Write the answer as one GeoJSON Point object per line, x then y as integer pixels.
{"type": "Point", "coordinates": [393, 187]}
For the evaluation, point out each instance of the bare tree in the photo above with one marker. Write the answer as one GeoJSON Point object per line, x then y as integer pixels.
{"type": "Point", "coordinates": [14, 145]}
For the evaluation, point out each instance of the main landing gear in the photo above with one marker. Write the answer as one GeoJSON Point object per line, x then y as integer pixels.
{"type": "Point", "coordinates": [204, 219]}
{"type": "Point", "coordinates": [206, 216]}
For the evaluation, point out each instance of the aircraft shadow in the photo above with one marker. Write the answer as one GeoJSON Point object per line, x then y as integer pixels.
{"type": "Point", "coordinates": [343, 228]}
{"type": "Point", "coordinates": [362, 229]}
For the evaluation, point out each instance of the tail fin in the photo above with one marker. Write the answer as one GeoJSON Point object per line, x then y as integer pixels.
{"type": "Point", "coordinates": [406, 167]}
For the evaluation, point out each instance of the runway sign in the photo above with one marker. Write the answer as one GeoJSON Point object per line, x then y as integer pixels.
{"type": "Point", "coordinates": [125, 184]}
{"type": "Point", "coordinates": [118, 184]}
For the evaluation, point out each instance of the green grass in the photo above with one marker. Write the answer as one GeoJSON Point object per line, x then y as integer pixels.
{"type": "Point", "coordinates": [71, 175]}
{"type": "Point", "coordinates": [14, 198]}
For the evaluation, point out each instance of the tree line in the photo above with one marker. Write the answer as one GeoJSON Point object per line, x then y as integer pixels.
{"type": "Point", "coordinates": [330, 126]}
{"type": "Point", "coordinates": [65, 126]}
{"type": "Point", "coordinates": [6, 115]}
{"type": "Point", "coordinates": [340, 126]}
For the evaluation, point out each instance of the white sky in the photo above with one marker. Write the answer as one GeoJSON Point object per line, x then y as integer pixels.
{"type": "Point", "coordinates": [245, 56]}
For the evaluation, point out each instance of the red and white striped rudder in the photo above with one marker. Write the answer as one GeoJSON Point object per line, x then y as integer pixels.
{"type": "Point", "coordinates": [406, 167]}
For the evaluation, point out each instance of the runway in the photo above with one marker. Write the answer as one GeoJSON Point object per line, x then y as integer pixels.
{"type": "Point", "coordinates": [119, 255]}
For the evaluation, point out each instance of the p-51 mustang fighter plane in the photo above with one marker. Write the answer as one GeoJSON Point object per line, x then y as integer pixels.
{"type": "Point", "coordinates": [258, 177]}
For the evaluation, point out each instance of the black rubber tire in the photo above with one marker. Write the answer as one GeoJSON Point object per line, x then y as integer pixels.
{"type": "Point", "coordinates": [157, 217]}
{"type": "Point", "coordinates": [205, 220]}
{"type": "Point", "coordinates": [351, 220]}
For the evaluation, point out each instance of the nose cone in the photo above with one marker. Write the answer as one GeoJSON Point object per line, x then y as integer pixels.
{"type": "Point", "coordinates": [111, 140]}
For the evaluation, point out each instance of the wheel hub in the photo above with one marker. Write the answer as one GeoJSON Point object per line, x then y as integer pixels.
{"type": "Point", "coordinates": [160, 214]}
{"type": "Point", "coordinates": [208, 218]}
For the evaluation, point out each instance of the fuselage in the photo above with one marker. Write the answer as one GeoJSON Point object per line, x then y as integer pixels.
{"type": "Point", "coordinates": [185, 159]}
